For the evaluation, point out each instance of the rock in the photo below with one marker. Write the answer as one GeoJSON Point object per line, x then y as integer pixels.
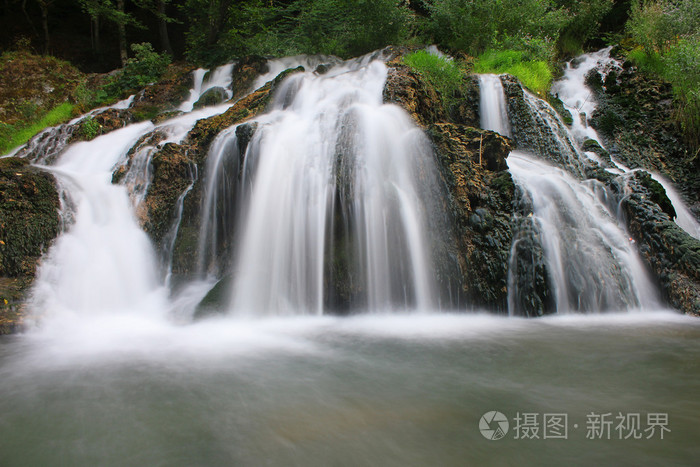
{"type": "Point", "coordinates": [28, 224]}
{"type": "Point", "coordinates": [480, 199]}
{"type": "Point", "coordinates": [165, 95]}
{"type": "Point", "coordinates": [212, 96]}
{"type": "Point", "coordinates": [412, 91]}
{"type": "Point", "coordinates": [672, 254]}
{"type": "Point", "coordinates": [173, 172]}
{"type": "Point", "coordinates": [245, 72]}
{"type": "Point", "coordinates": [538, 129]}
{"type": "Point", "coordinates": [591, 145]}
{"type": "Point", "coordinates": [635, 118]}
{"type": "Point", "coordinates": [101, 123]}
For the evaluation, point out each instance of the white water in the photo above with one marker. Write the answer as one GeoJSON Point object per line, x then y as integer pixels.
{"type": "Point", "coordinates": [220, 77]}
{"type": "Point", "coordinates": [494, 114]}
{"type": "Point", "coordinates": [592, 263]}
{"type": "Point", "coordinates": [576, 96]}
{"type": "Point", "coordinates": [278, 65]}
{"type": "Point", "coordinates": [578, 99]}
{"type": "Point", "coordinates": [104, 262]}
{"type": "Point", "coordinates": [321, 128]}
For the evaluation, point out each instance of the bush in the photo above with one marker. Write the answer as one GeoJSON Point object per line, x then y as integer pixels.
{"type": "Point", "coordinates": [667, 33]}
{"type": "Point", "coordinates": [535, 74]}
{"type": "Point", "coordinates": [145, 67]}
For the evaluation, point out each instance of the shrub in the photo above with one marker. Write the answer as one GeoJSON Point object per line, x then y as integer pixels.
{"type": "Point", "coordinates": [146, 66]}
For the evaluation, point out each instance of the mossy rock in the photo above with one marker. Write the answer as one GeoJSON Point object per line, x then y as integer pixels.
{"type": "Point", "coordinates": [211, 97]}
{"type": "Point", "coordinates": [480, 196]}
{"type": "Point", "coordinates": [29, 222]}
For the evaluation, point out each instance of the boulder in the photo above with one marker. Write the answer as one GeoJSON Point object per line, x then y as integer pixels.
{"type": "Point", "coordinates": [212, 96]}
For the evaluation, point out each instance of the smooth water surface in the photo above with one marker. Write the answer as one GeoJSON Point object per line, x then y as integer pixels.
{"type": "Point", "coordinates": [366, 390]}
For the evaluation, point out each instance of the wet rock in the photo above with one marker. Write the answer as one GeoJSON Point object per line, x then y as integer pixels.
{"type": "Point", "coordinates": [211, 97]}
{"type": "Point", "coordinates": [480, 200]}
{"type": "Point", "coordinates": [538, 129]}
{"type": "Point", "coordinates": [28, 224]}
{"type": "Point", "coordinates": [591, 145]}
{"type": "Point", "coordinates": [101, 123]}
{"type": "Point", "coordinates": [410, 90]}
{"type": "Point", "coordinates": [245, 72]}
{"type": "Point", "coordinates": [635, 118]}
{"type": "Point", "coordinates": [165, 95]}
{"type": "Point", "coordinates": [672, 254]}
{"type": "Point", "coordinates": [172, 174]}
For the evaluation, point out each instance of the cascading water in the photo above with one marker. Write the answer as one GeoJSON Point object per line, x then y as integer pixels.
{"type": "Point", "coordinates": [494, 113]}
{"type": "Point", "coordinates": [205, 80]}
{"type": "Point", "coordinates": [578, 99]}
{"type": "Point", "coordinates": [591, 263]}
{"type": "Point", "coordinates": [330, 184]}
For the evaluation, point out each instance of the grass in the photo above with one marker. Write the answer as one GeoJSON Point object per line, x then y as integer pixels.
{"type": "Point", "coordinates": [535, 74]}
{"type": "Point", "coordinates": [443, 73]}
{"type": "Point", "coordinates": [13, 136]}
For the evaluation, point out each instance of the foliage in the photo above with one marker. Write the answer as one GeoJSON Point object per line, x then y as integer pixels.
{"type": "Point", "coordinates": [535, 74]}
{"type": "Point", "coordinates": [668, 36]}
{"type": "Point", "coordinates": [584, 19]}
{"type": "Point", "coordinates": [443, 73]}
{"type": "Point", "coordinates": [278, 27]}
{"type": "Point", "coordinates": [145, 67]}
{"type": "Point", "coordinates": [479, 25]}
{"type": "Point", "coordinates": [12, 136]}
{"type": "Point", "coordinates": [89, 128]}
{"type": "Point", "coordinates": [657, 25]}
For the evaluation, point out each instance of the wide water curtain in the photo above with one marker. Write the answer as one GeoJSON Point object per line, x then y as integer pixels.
{"type": "Point", "coordinates": [332, 217]}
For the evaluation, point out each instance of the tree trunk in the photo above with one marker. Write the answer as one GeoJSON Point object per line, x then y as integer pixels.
{"type": "Point", "coordinates": [45, 24]}
{"type": "Point", "coordinates": [163, 29]}
{"type": "Point", "coordinates": [96, 42]}
{"type": "Point", "coordinates": [121, 28]}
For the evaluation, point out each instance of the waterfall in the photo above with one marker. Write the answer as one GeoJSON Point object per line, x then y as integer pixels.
{"type": "Point", "coordinates": [327, 192]}
{"type": "Point", "coordinates": [494, 114]}
{"type": "Point", "coordinates": [592, 263]}
{"type": "Point", "coordinates": [578, 99]}
{"type": "Point", "coordinates": [104, 262]}
{"type": "Point", "coordinates": [205, 80]}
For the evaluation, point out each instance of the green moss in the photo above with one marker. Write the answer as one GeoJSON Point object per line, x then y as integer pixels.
{"type": "Point", "coordinates": [444, 74]}
{"type": "Point", "coordinates": [16, 136]}
{"type": "Point", "coordinates": [89, 129]}
{"type": "Point", "coordinates": [535, 74]}
{"type": "Point", "coordinates": [146, 112]}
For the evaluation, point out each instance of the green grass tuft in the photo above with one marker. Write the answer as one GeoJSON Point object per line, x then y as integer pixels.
{"type": "Point", "coordinates": [11, 136]}
{"type": "Point", "coordinates": [535, 74]}
{"type": "Point", "coordinates": [443, 73]}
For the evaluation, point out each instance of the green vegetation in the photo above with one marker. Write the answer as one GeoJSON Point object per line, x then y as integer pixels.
{"type": "Point", "coordinates": [145, 67]}
{"type": "Point", "coordinates": [12, 136]}
{"type": "Point", "coordinates": [535, 74]}
{"type": "Point", "coordinates": [444, 74]}
{"type": "Point", "coordinates": [666, 34]}
{"type": "Point", "coordinates": [339, 27]}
